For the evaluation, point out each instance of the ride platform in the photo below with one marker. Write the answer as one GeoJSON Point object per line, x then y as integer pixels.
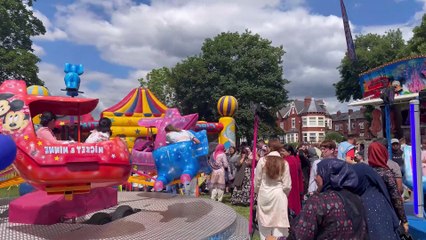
{"type": "Point", "coordinates": [161, 216]}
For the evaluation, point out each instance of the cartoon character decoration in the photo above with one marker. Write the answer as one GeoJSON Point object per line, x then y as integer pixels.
{"type": "Point", "coordinates": [72, 79]}
{"type": "Point", "coordinates": [176, 160]}
{"type": "Point", "coordinates": [406, 76]}
{"type": "Point", "coordinates": [376, 123]}
{"type": "Point", "coordinates": [8, 151]}
{"type": "Point", "coordinates": [12, 114]}
{"type": "Point", "coordinates": [397, 88]}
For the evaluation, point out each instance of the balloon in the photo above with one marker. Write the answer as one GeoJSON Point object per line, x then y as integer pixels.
{"type": "Point", "coordinates": [7, 151]}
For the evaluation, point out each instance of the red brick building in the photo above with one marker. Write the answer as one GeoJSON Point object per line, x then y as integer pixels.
{"type": "Point", "coordinates": [304, 121]}
{"type": "Point", "coordinates": [351, 122]}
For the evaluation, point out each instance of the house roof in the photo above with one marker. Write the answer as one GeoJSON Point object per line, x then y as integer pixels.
{"type": "Point", "coordinates": [316, 106]}
{"type": "Point", "coordinates": [358, 114]}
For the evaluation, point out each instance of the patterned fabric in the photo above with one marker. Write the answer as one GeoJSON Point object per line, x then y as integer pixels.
{"type": "Point", "coordinates": [241, 196]}
{"type": "Point", "coordinates": [397, 202]}
{"type": "Point", "coordinates": [381, 218]}
{"type": "Point", "coordinates": [217, 179]}
{"type": "Point", "coordinates": [324, 217]}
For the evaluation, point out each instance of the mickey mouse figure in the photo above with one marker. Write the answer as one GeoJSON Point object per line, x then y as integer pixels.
{"type": "Point", "coordinates": [10, 111]}
{"type": "Point", "coordinates": [72, 79]}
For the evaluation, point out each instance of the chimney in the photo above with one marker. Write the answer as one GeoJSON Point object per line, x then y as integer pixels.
{"type": "Point", "coordinates": [350, 111]}
{"type": "Point", "coordinates": [338, 113]}
{"type": "Point", "coordinates": [307, 101]}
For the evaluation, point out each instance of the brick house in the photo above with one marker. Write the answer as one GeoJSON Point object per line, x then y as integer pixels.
{"type": "Point", "coordinates": [351, 122]}
{"type": "Point", "coordinates": [304, 121]}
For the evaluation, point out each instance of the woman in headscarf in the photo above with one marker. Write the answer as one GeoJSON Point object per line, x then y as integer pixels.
{"type": "Point", "coordinates": [241, 192]}
{"type": "Point", "coordinates": [334, 212]}
{"type": "Point", "coordinates": [377, 158]}
{"type": "Point", "coordinates": [381, 218]}
{"type": "Point", "coordinates": [233, 157]}
{"type": "Point", "coordinates": [296, 193]}
{"type": "Point", "coordinates": [217, 179]}
{"type": "Point", "coordinates": [272, 184]}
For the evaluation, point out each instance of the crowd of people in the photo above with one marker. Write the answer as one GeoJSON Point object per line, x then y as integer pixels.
{"type": "Point", "coordinates": [328, 191]}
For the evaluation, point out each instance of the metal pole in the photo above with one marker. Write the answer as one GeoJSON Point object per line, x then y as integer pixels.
{"type": "Point", "coordinates": [416, 163]}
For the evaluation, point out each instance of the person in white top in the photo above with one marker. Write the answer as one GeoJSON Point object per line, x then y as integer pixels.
{"type": "Point", "coordinates": [272, 183]}
{"type": "Point", "coordinates": [327, 148]}
{"type": "Point", "coordinates": [101, 133]}
{"type": "Point", "coordinates": [174, 135]}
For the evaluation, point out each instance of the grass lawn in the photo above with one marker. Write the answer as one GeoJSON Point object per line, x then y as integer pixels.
{"type": "Point", "coordinates": [9, 192]}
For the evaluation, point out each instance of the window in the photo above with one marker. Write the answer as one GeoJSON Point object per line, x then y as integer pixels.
{"type": "Point", "coordinates": [312, 137]}
{"type": "Point", "coordinates": [305, 137]}
{"type": "Point", "coordinates": [320, 137]}
{"type": "Point", "coordinates": [304, 121]}
{"type": "Point", "coordinates": [330, 123]}
{"type": "Point", "coordinates": [282, 125]}
{"type": "Point", "coordinates": [293, 123]}
{"type": "Point", "coordinates": [336, 127]}
{"type": "Point", "coordinates": [320, 121]}
{"type": "Point", "coordinates": [292, 137]}
{"type": "Point", "coordinates": [353, 127]}
{"type": "Point", "coordinates": [361, 125]}
{"type": "Point", "coordinates": [361, 134]}
{"type": "Point", "coordinates": [296, 139]}
{"type": "Point", "coordinates": [312, 121]}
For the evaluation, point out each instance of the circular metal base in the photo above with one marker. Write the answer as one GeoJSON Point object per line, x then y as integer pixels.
{"type": "Point", "coordinates": [162, 216]}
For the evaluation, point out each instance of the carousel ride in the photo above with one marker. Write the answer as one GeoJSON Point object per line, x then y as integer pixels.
{"type": "Point", "coordinates": [73, 181]}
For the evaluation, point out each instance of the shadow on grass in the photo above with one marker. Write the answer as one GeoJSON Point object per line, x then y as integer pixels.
{"type": "Point", "coordinates": [243, 211]}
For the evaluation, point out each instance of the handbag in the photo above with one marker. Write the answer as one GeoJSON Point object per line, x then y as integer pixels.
{"type": "Point", "coordinates": [406, 236]}
{"type": "Point", "coordinates": [403, 235]}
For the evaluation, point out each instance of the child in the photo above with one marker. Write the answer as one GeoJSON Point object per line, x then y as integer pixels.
{"type": "Point", "coordinates": [102, 131]}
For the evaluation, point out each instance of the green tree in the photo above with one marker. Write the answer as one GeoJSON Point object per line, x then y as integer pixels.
{"type": "Point", "coordinates": [245, 66]}
{"type": "Point", "coordinates": [372, 51]}
{"type": "Point", "coordinates": [17, 26]}
{"type": "Point", "coordinates": [159, 84]}
{"type": "Point", "coordinates": [142, 82]}
{"type": "Point", "coordinates": [334, 136]}
{"type": "Point", "coordinates": [417, 44]}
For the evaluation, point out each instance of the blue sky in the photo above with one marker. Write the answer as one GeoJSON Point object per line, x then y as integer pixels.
{"type": "Point", "coordinates": [119, 41]}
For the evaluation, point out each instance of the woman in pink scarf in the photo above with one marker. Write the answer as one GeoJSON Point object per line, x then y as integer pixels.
{"type": "Point", "coordinates": [217, 179]}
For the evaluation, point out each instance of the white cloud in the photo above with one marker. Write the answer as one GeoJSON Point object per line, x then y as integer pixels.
{"type": "Point", "coordinates": [144, 37]}
{"type": "Point", "coordinates": [38, 50]}
{"type": "Point", "coordinates": [109, 91]}
{"type": "Point", "coordinates": [52, 33]}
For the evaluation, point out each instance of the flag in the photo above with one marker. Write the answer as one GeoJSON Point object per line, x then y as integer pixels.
{"type": "Point", "coordinates": [349, 41]}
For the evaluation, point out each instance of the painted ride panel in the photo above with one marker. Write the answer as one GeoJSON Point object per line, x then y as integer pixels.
{"type": "Point", "coordinates": [58, 167]}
